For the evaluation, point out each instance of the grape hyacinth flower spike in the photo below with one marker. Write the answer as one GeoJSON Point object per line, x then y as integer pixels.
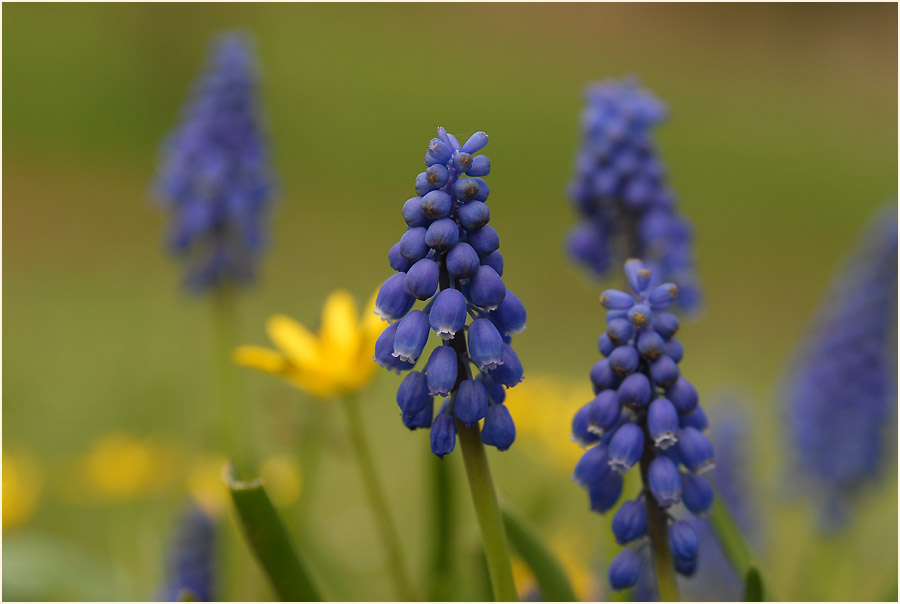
{"type": "Point", "coordinates": [621, 193]}
{"type": "Point", "coordinates": [644, 415]}
{"type": "Point", "coordinates": [841, 394]}
{"type": "Point", "coordinates": [215, 177]}
{"type": "Point", "coordinates": [449, 258]}
{"type": "Point", "coordinates": [192, 560]}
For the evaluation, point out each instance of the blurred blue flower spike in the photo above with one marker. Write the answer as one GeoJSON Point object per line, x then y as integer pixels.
{"type": "Point", "coordinates": [192, 559]}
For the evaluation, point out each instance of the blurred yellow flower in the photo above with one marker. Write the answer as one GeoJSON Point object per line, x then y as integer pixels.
{"type": "Point", "coordinates": [120, 466]}
{"type": "Point", "coordinates": [21, 486]}
{"type": "Point", "coordinates": [335, 361]}
{"type": "Point", "coordinates": [542, 407]}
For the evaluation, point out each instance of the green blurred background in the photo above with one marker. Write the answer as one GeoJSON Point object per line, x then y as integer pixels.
{"type": "Point", "coordinates": [781, 144]}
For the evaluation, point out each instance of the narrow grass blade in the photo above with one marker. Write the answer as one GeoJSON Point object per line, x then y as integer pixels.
{"type": "Point", "coordinates": [753, 586]}
{"type": "Point", "coordinates": [551, 578]}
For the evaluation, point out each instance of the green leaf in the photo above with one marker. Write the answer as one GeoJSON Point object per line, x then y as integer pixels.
{"type": "Point", "coordinates": [753, 585]}
{"type": "Point", "coordinates": [269, 541]}
{"type": "Point", "coordinates": [551, 578]}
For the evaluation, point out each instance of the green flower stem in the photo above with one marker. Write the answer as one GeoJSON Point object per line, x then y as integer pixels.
{"type": "Point", "coordinates": [659, 537]}
{"type": "Point", "coordinates": [231, 414]}
{"type": "Point", "coordinates": [485, 498]}
{"type": "Point", "coordinates": [386, 527]}
{"type": "Point", "coordinates": [440, 523]}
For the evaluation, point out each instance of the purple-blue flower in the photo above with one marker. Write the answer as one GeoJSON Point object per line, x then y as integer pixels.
{"type": "Point", "coordinates": [191, 566]}
{"type": "Point", "coordinates": [637, 419]}
{"type": "Point", "coordinates": [449, 258]}
{"type": "Point", "coordinates": [621, 192]}
{"type": "Point", "coordinates": [215, 177]}
{"type": "Point", "coordinates": [841, 394]}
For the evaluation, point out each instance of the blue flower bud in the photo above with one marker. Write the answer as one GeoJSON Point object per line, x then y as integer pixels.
{"type": "Point", "coordinates": [635, 391]}
{"type": "Point", "coordinates": [485, 240]}
{"type": "Point", "coordinates": [581, 427]}
{"type": "Point", "coordinates": [485, 345]}
{"type": "Point", "coordinates": [481, 166]}
{"type": "Point", "coordinates": [396, 259]}
{"type": "Point", "coordinates": [412, 244]}
{"type": "Point", "coordinates": [448, 313]}
{"type": "Point", "coordinates": [510, 372]}
{"type": "Point", "coordinates": [695, 419]}
{"type": "Point", "coordinates": [384, 350]}
{"type": "Point", "coordinates": [629, 522]}
{"type": "Point", "coordinates": [696, 493]}
{"type": "Point", "coordinates": [686, 566]}
{"type": "Point", "coordinates": [443, 435]}
{"type": "Point", "coordinates": [588, 245]}
{"type": "Point", "coordinates": [476, 142]}
{"type": "Point", "coordinates": [471, 403]}
{"type": "Point", "coordinates": [412, 395]}
{"type": "Point", "coordinates": [496, 391]}
{"type": "Point", "coordinates": [683, 540]}
{"type": "Point", "coordinates": [392, 301]}
{"type": "Point", "coordinates": [665, 324]}
{"type": "Point", "coordinates": [614, 299]}
{"type": "Point", "coordinates": [674, 349]}
{"type": "Point", "coordinates": [650, 344]}
{"type": "Point", "coordinates": [592, 467]}
{"type": "Point", "coordinates": [604, 495]}
{"type": "Point", "coordinates": [486, 289]}
{"type": "Point", "coordinates": [664, 371]}
{"type": "Point", "coordinates": [498, 429]}
{"type": "Point", "coordinates": [462, 161]}
{"type": "Point", "coordinates": [474, 215]}
{"type": "Point", "coordinates": [626, 447]}
{"type": "Point", "coordinates": [495, 261]}
{"type": "Point", "coordinates": [422, 419]}
{"type": "Point", "coordinates": [602, 376]}
{"type": "Point", "coordinates": [422, 184]}
{"type": "Point", "coordinates": [422, 279]}
{"type": "Point", "coordinates": [663, 296]}
{"type": "Point", "coordinates": [462, 261]}
{"type": "Point", "coordinates": [625, 569]}
{"type": "Point", "coordinates": [662, 423]}
{"type": "Point", "coordinates": [412, 213]}
{"type": "Point", "coordinates": [638, 275]}
{"type": "Point", "coordinates": [411, 336]}
{"type": "Point", "coordinates": [510, 316]}
{"type": "Point", "coordinates": [683, 395]}
{"type": "Point", "coordinates": [440, 150]}
{"type": "Point", "coordinates": [623, 360]}
{"type": "Point", "coordinates": [436, 204]}
{"type": "Point", "coordinates": [696, 451]}
{"type": "Point", "coordinates": [639, 314]}
{"type": "Point", "coordinates": [605, 345]}
{"type": "Point", "coordinates": [442, 234]}
{"type": "Point", "coordinates": [665, 483]}
{"type": "Point", "coordinates": [605, 411]}
{"type": "Point", "coordinates": [437, 175]}
{"type": "Point", "coordinates": [620, 331]}
{"type": "Point", "coordinates": [467, 189]}
{"type": "Point", "coordinates": [441, 370]}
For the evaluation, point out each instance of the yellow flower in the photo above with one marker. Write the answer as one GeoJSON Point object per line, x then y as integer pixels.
{"type": "Point", "coordinates": [21, 486]}
{"type": "Point", "coordinates": [336, 361]}
{"type": "Point", "coordinates": [120, 466]}
{"type": "Point", "coordinates": [543, 407]}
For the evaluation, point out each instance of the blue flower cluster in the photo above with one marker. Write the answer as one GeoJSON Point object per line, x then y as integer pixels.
{"type": "Point", "coordinates": [449, 257]}
{"type": "Point", "coordinates": [842, 389]}
{"type": "Point", "coordinates": [621, 192]}
{"type": "Point", "coordinates": [215, 176]}
{"type": "Point", "coordinates": [645, 413]}
{"type": "Point", "coordinates": [192, 561]}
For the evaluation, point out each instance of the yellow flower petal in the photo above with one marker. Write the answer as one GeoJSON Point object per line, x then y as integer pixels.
{"type": "Point", "coordinates": [283, 479]}
{"type": "Point", "coordinates": [260, 358]}
{"type": "Point", "coordinates": [297, 343]}
{"type": "Point", "coordinates": [340, 334]}
{"type": "Point", "coordinates": [21, 486]}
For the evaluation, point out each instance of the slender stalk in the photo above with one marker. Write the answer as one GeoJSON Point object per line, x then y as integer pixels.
{"type": "Point", "coordinates": [377, 500]}
{"type": "Point", "coordinates": [488, 511]}
{"type": "Point", "coordinates": [659, 537]}
{"type": "Point", "coordinates": [231, 416]}
{"type": "Point", "coordinates": [440, 522]}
